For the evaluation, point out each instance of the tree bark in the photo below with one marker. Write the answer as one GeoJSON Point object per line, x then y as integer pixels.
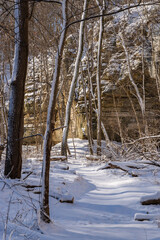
{"type": "Point", "coordinates": [74, 81]}
{"type": "Point", "coordinates": [3, 116]}
{"type": "Point", "coordinates": [90, 141]}
{"type": "Point", "coordinates": [13, 163]}
{"type": "Point", "coordinates": [45, 213]}
{"type": "Point", "coordinates": [98, 77]}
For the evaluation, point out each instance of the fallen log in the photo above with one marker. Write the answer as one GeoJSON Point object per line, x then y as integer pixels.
{"type": "Point", "coordinates": [63, 198]}
{"type": "Point", "coordinates": [61, 166]}
{"type": "Point", "coordinates": [120, 166]}
{"type": "Point", "coordinates": [125, 169]}
{"type": "Point", "coordinates": [93, 157]}
{"type": "Point", "coordinates": [58, 158]}
{"type": "Point", "coordinates": [151, 199]}
{"type": "Point", "coordinates": [145, 217]}
{"type": "Point", "coordinates": [31, 186]}
{"type": "Point", "coordinates": [55, 158]}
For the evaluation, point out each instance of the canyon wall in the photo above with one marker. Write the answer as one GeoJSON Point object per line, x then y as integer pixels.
{"type": "Point", "coordinates": [130, 52]}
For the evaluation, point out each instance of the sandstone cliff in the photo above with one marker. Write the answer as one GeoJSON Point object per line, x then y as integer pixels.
{"type": "Point", "coordinates": [121, 112]}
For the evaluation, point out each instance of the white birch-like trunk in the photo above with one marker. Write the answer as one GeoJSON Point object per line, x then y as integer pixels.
{"type": "Point", "coordinates": [140, 99]}
{"type": "Point", "coordinates": [74, 80]}
{"type": "Point", "coordinates": [45, 215]}
{"type": "Point", "coordinates": [87, 115]}
{"type": "Point", "coordinates": [98, 77]}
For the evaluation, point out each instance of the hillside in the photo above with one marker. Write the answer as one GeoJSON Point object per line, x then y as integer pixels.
{"type": "Point", "coordinates": [106, 202]}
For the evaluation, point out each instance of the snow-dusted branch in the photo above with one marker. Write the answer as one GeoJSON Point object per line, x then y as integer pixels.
{"type": "Point", "coordinates": [74, 81]}
{"type": "Point", "coordinates": [144, 138]}
{"type": "Point", "coordinates": [98, 76]}
{"type": "Point", "coordinates": [50, 123]}
{"type": "Point", "coordinates": [114, 12]}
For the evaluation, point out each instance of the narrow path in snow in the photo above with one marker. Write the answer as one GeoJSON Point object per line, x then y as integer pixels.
{"type": "Point", "coordinates": [106, 211]}
{"type": "Point", "coordinates": [104, 207]}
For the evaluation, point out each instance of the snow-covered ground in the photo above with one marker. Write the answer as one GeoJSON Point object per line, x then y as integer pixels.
{"type": "Point", "coordinates": [105, 201]}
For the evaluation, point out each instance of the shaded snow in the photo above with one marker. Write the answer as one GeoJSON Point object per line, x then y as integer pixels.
{"type": "Point", "coordinates": [105, 201]}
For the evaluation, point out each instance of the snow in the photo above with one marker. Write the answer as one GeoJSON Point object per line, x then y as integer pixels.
{"type": "Point", "coordinates": [147, 217]}
{"type": "Point", "coordinates": [106, 201]}
{"type": "Point", "coordinates": [155, 196]}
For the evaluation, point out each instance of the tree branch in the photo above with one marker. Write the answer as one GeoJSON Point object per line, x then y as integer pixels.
{"type": "Point", "coordinates": [113, 12]}
{"type": "Point", "coordinates": [47, 1]}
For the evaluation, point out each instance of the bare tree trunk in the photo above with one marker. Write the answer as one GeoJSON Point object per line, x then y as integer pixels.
{"type": "Point", "coordinates": [51, 121]}
{"type": "Point", "coordinates": [90, 98]}
{"type": "Point", "coordinates": [13, 162]}
{"type": "Point", "coordinates": [61, 117]}
{"type": "Point", "coordinates": [34, 103]}
{"type": "Point", "coordinates": [98, 77]}
{"type": "Point", "coordinates": [40, 114]}
{"type": "Point", "coordinates": [118, 118]}
{"type": "Point", "coordinates": [140, 99]}
{"type": "Point", "coordinates": [87, 117]}
{"type": "Point", "coordinates": [134, 110]}
{"type": "Point", "coordinates": [157, 80]}
{"type": "Point", "coordinates": [108, 142]}
{"type": "Point", "coordinates": [74, 81]}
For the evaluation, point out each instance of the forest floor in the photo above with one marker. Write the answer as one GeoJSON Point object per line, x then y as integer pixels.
{"type": "Point", "coordinates": [106, 200]}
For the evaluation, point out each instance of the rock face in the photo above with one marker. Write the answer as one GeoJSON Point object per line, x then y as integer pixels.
{"type": "Point", "coordinates": [37, 93]}
{"type": "Point", "coordinates": [135, 34]}
{"type": "Point", "coordinates": [38, 84]}
{"type": "Point", "coordinates": [121, 111]}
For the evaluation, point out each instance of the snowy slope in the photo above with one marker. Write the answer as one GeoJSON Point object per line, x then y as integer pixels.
{"type": "Point", "coordinates": [105, 201]}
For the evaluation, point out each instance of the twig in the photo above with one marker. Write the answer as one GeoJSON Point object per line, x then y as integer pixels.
{"type": "Point", "coordinates": [151, 162]}
{"type": "Point", "coordinates": [143, 138]}
{"type": "Point", "coordinates": [54, 129]}
{"type": "Point", "coordinates": [38, 134]}
{"type": "Point", "coordinates": [17, 192]}
{"type": "Point", "coordinates": [27, 176]}
{"type": "Point", "coordinates": [7, 218]}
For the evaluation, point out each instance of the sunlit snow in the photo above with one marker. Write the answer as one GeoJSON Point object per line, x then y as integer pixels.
{"type": "Point", "coordinates": [106, 201]}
